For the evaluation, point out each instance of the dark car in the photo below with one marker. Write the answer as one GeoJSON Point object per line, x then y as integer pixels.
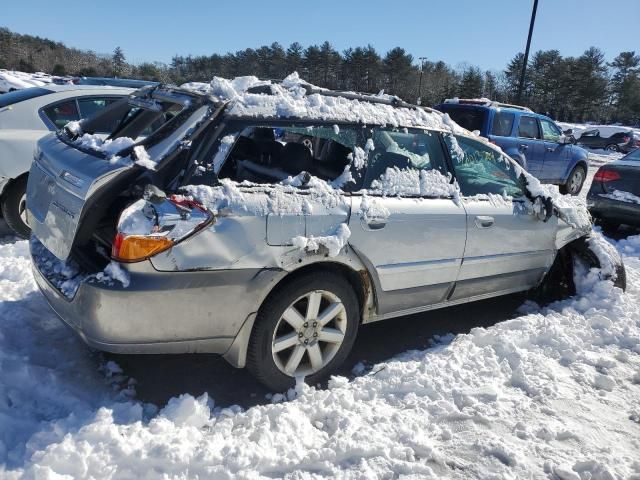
{"type": "Point", "coordinates": [614, 196]}
{"type": "Point", "coordinates": [531, 139]}
{"type": "Point", "coordinates": [618, 142]}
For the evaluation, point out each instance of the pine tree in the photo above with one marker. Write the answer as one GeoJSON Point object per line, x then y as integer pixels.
{"type": "Point", "coordinates": [118, 61]}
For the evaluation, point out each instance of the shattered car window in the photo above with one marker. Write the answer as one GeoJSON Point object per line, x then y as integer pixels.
{"type": "Point", "coordinates": [393, 149]}
{"type": "Point", "coordinates": [480, 169]}
{"type": "Point", "coordinates": [268, 154]}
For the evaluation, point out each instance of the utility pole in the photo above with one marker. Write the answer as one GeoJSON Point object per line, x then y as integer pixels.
{"type": "Point", "coordinates": [422, 59]}
{"type": "Point", "coordinates": [526, 52]}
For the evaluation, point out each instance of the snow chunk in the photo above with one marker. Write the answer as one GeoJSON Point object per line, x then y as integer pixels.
{"type": "Point", "coordinates": [621, 196]}
{"type": "Point", "coordinates": [188, 411]}
{"type": "Point", "coordinates": [111, 148]}
{"type": "Point", "coordinates": [143, 158]}
{"type": "Point", "coordinates": [334, 243]}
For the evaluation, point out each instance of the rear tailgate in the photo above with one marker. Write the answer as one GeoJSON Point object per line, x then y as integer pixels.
{"type": "Point", "coordinates": [61, 180]}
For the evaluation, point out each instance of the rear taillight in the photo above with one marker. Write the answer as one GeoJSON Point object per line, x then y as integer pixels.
{"type": "Point", "coordinates": [626, 139]}
{"type": "Point", "coordinates": [148, 227]}
{"type": "Point", "coordinates": [604, 175]}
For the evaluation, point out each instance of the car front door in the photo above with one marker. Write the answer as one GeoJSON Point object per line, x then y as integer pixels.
{"type": "Point", "coordinates": [556, 155]}
{"type": "Point", "coordinates": [530, 142]}
{"type": "Point", "coordinates": [407, 226]}
{"type": "Point", "coordinates": [508, 249]}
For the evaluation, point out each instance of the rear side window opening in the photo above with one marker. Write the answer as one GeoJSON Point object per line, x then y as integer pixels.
{"type": "Point", "coordinates": [271, 153]}
{"type": "Point", "coordinates": [471, 118]}
{"type": "Point", "coordinates": [502, 124]}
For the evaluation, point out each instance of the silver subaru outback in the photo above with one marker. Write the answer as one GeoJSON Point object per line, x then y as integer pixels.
{"type": "Point", "coordinates": [266, 221]}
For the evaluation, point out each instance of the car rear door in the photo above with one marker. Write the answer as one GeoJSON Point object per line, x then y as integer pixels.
{"type": "Point", "coordinates": [507, 249]}
{"type": "Point", "coordinates": [407, 226]}
{"type": "Point", "coordinates": [530, 142]}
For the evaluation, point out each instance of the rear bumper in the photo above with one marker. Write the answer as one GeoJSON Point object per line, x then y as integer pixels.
{"type": "Point", "coordinates": [161, 312]}
{"type": "Point", "coordinates": [613, 211]}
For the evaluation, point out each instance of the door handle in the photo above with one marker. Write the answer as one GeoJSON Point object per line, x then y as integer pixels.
{"type": "Point", "coordinates": [523, 147]}
{"type": "Point", "coordinates": [550, 149]}
{"type": "Point", "coordinates": [483, 221]}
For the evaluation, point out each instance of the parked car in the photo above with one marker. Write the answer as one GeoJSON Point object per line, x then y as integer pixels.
{"type": "Point", "coordinates": [533, 140]}
{"type": "Point", "coordinates": [25, 117]}
{"type": "Point", "coordinates": [618, 142]}
{"type": "Point", "coordinates": [614, 196]}
{"type": "Point", "coordinates": [113, 82]}
{"type": "Point", "coordinates": [223, 231]}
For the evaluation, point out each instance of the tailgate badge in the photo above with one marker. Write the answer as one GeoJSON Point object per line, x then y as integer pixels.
{"type": "Point", "coordinates": [72, 179]}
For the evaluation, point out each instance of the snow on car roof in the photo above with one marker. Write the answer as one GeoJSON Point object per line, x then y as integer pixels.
{"type": "Point", "coordinates": [290, 99]}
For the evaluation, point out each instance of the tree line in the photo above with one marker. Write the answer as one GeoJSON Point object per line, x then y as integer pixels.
{"type": "Point", "coordinates": [572, 89]}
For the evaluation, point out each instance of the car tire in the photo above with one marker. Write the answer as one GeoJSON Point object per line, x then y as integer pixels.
{"type": "Point", "coordinates": [575, 181]}
{"type": "Point", "coordinates": [13, 207]}
{"type": "Point", "coordinates": [281, 349]}
{"type": "Point", "coordinates": [558, 283]}
{"type": "Point", "coordinates": [608, 228]}
{"type": "Point", "coordinates": [612, 147]}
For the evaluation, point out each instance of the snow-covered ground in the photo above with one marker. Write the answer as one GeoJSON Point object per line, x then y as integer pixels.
{"type": "Point", "coordinates": [552, 393]}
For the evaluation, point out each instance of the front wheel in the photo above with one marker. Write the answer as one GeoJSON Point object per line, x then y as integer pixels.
{"type": "Point", "coordinates": [575, 181]}
{"type": "Point", "coordinates": [304, 329]}
{"type": "Point", "coordinates": [559, 284]}
{"type": "Point", "coordinates": [612, 148]}
{"type": "Point", "coordinates": [14, 209]}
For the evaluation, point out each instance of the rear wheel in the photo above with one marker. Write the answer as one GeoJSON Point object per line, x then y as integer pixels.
{"type": "Point", "coordinates": [575, 181]}
{"type": "Point", "coordinates": [304, 329]}
{"type": "Point", "coordinates": [14, 204]}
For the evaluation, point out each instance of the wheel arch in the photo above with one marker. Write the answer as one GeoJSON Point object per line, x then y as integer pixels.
{"type": "Point", "coordinates": [359, 278]}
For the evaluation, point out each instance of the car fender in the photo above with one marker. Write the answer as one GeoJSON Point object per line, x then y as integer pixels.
{"type": "Point", "coordinates": [578, 156]}
{"type": "Point", "coordinates": [16, 151]}
{"type": "Point", "coordinates": [296, 262]}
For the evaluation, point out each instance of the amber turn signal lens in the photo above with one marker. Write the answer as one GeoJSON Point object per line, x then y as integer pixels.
{"type": "Point", "coordinates": [134, 248]}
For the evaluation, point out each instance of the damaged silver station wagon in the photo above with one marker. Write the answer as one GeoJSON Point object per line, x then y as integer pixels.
{"type": "Point", "coordinates": [265, 221]}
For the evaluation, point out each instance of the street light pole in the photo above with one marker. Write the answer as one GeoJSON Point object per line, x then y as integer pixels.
{"type": "Point", "coordinates": [422, 59]}
{"type": "Point", "coordinates": [526, 51]}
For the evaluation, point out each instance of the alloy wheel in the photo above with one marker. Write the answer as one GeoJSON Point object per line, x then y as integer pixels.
{"type": "Point", "coordinates": [309, 333]}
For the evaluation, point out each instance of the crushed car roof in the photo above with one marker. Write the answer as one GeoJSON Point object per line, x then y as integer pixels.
{"type": "Point", "coordinates": [296, 98]}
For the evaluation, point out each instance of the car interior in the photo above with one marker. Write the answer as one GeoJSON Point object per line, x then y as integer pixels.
{"type": "Point", "coordinates": [267, 154]}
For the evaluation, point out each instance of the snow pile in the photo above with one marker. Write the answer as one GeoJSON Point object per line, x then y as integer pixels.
{"type": "Point", "coordinates": [67, 276]}
{"type": "Point", "coordinates": [290, 99]}
{"type": "Point", "coordinates": [621, 196]}
{"type": "Point", "coordinates": [112, 148]}
{"type": "Point", "coordinates": [553, 393]}
{"type": "Point", "coordinates": [408, 182]}
{"type": "Point", "coordinates": [285, 198]}
{"type": "Point", "coordinates": [49, 382]}
{"type": "Point", "coordinates": [333, 243]}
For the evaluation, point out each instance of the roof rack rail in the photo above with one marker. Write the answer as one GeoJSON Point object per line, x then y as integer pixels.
{"type": "Point", "coordinates": [487, 103]}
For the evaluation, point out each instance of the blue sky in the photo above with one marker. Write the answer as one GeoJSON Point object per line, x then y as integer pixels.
{"type": "Point", "coordinates": [484, 33]}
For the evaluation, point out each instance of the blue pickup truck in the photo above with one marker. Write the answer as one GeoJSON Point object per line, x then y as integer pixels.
{"type": "Point", "coordinates": [533, 140]}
